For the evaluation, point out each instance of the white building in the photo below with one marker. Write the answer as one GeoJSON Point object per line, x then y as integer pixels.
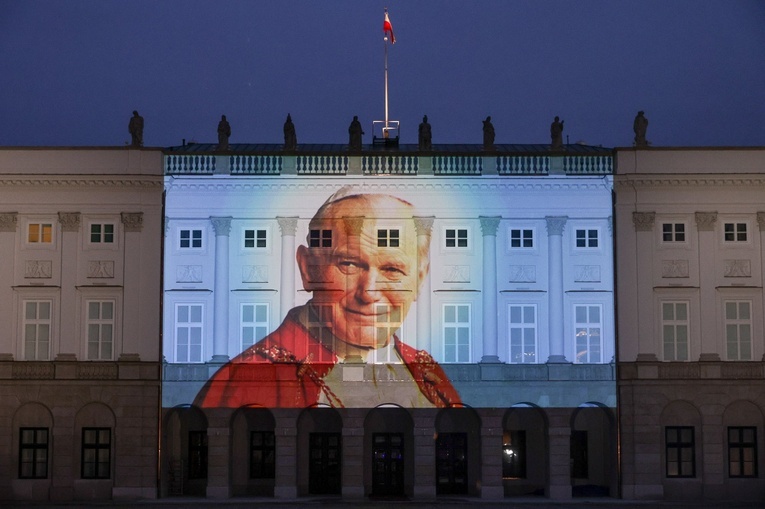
{"type": "Point", "coordinates": [517, 309]}
{"type": "Point", "coordinates": [690, 236]}
{"type": "Point", "coordinates": [80, 245]}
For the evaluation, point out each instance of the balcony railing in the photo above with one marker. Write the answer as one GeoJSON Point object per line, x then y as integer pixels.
{"type": "Point", "coordinates": [322, 165]}
{"type": "Point", "coordinates": [255, 165]}
{"type": "Point", "coordinates": [190, 164]}
{"type": "Point", "coordinates": [523, 165]}
{"type": "Point", "coordinates": [389, 165]}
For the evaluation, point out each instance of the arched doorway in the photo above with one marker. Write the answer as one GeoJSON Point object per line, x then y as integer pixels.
{"type": "Point", "coordinates": [253, 452]}
{"type": "Point", "coordinates": [320, 451]}
{"type": "Point", "coordinates": [593, 451]}
{"type": "Point", "coordinates": [525, 451]}
{"type": "Point", "coordinates": [184, 462]}
{"type": "Point", "coordinates": [389, 447]}
{"type": "Point", "coordinates": [458, 452]}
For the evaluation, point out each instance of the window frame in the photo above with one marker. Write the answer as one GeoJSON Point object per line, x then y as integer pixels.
{"type": "Point", "coordinates": [588, 230]}
{"type": "Point", "coordinates": [521, 238]}
{"type": "Point", "coordinates": [35, 446]}
{"type": "Point", "coordinates": [98, 446]}
{"type": "Point", "coordinates": [89, 322]}
{"type": "Point", "coordinates": [456, 237]}
{"type": "Point", "coordinates": [523, 326]}
{"type": "Point", "coordinates": [458, 325]}
{"type": "Point", "coordinates": [200, 326]}
{"type": "Point", "coordinates": [267, 449]}
{"type": "Point", "coordinates": [673, 233]}
{"type": "Point", "coordinates": [739, 324]}
{"type": "Point", "coordinates": [735, 233]}
{"type": "Point", "coordinates": [254, 324]}
{"type": "Point", "coordinates": [390, 237]}
{"type": "Point", "coordinates": [26, 322]}
{"type": "Point", "coordinates": [256, 230]}
{"type": "Point", "coordinates": [191, 238]}
{"type": "Point", "coordinates": [679, 445]}
{"type": "Point", "coordinates": [42, 222]}
{"type": "Point", "coordinates": [388, 327]}
{"type": "Point", "coordinates": [740, 446]}
{"type": "Point", "coordinates": [588, 325]}
{"type": "Point", "coordinates": [674, 324]}
{"type": "Point", "coordinates": [102, 233]}
{"type": "Point", "coordinates": [198, 454]}
{"type": "Point", "coordinates": [322, 238]}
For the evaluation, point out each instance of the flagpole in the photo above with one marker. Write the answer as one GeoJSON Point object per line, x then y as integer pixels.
{"type": "Point", "coordinates": [386, 86]}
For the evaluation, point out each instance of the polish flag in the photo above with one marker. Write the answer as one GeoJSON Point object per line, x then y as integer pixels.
{"type": "Point", "coordinates": [388, 28]}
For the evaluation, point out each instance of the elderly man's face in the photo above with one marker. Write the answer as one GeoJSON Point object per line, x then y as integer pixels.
{"type": "Point", "coordinates": [369, 280]}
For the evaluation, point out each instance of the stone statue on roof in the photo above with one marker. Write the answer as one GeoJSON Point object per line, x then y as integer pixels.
{"type": "Point", "coordinates": [640, 126]}
{"type": "Point", "coordinates": [488, 134]}
{"type": "Point", "coordinates": [290, 136]}
{"type": "Point", "coordinates": [355, 132]}
{"type": "Point", "coordinates": [135, 128]}
{"type": "Point", "coordinates": [224, 132]}
{"type": "Point", "coordinates": [425, 136]}
{"type": "Point", "coordinates": [556, 134]}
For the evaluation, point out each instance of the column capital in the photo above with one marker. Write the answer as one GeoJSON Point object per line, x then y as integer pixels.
{"type": "Point", "coordinates": [287, 225]}
{"type": "Point", "coordinates": [761, 220]}
{"type": "Point", "coordinates": [705, 221]}
{"type": "Point", "coordinates": [132, 221]}
{"type": "Point", "coordinates": [555, 224]}
{"type": "Point", "coordinates": [8, 221]}
{"type": "Point", "coordinates": [489, 225]}
{"type": "Point", "coordinates": [423, 225]}
{"type": "Point", "coordinates": [70, 221]}
{"type": "Point", "coordinates": [353, 225]}
{"type": "Point", "coordinates": [643, 221]}
{"type": "Point", "coordinates": [221, 225]}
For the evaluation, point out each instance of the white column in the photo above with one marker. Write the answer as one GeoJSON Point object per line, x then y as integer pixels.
{"type": "Point", "coordinates": [8, 223]}
{"type": "Point", "coordinates": [555, 226]}
{"type": "Point", "coordinates": [222, 227]}
{"type": "Point", "coordinates": [288, 227]}
{"type": "Point", "coordinates": [489, 227]}
{"type": "Point", "coordinates": [705, 223]}
{"type": "Point", "coordinates": [68, 348]}
{"type": "Point", "coordinates": [424, 226]}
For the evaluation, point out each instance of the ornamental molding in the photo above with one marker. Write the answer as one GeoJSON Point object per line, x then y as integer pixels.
{"type": "Point", "coordinates": [423, 225]}
{"type": "Point", "coordinates": [100, 269]}
{"type": "Point", "coordinates": [221, 225]}
{"type": "Point", "coordinates": [287, 225]}
{"type": "Point", "coordinates": [38, 269]}
{"type": "Point", "coordinates": [81, 182]}
{"type": "Point", "coordinates": [737, 268]}
{"type": "Point", "coordinates": [705, 221]}
{"type": "Point", "coordinates": [706, 181]}
{"type": "Point", "coordinates": [457, 274]}
{"type": "Point", "coordinates": [70, 221]}
{"type": "Point", "coordinates": [255, 274]}
{"type": "Point", "coordinates": [555, 224]}
{"type": "Point", "coordinates": [675, 269]}
{"type": "Point", "coordinates": [188, 274]}
{"type": "Point", "coordinates": [587, 273]}
{"type": "Point", "coordinates": [8, 221]}
{"type": "Point", "coordinates": [643, 221]}
{"type": "Point", "coordinates": [523, 274]}
{"type": "Point", "coordinates": [132, 221]}
{"type": "Point", "coordinates": [489, 225]}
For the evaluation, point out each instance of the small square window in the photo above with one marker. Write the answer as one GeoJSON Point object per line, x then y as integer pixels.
{"type": "Point", "coordinates": [673, 232]}
{"type": "Point", "coordinates": [587, 238]}
{"type": "Point", "coordinates": [387, 238]}
{"type": "Point", "coordinates": [522, 238]}
{"type": "Point", "coordinates": [191, 239]}
{"type": "Point", "coordinates": [456, 237]}
{"type": "Point", "coordinates": [40, 233]}
{"type": "Point", "coordinates": [255, 239]}
{"type": "Point", "coordinates": [735, 232]}
{"type": "Point", "coordinates": [320, 238]}
{"type": "Point", "coordinates": [102, 233]}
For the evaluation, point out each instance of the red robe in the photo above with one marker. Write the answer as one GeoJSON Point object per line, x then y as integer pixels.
{"type": "Point", "coordinates": [282, 371]}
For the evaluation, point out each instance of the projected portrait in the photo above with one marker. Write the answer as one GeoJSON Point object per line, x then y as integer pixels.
{"type": "Point", "coordinates": [363, 264]}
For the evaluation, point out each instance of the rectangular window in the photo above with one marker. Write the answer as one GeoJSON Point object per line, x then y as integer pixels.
{"type": "Point", "coordinates": [96, 453]}
{"type": "Point", "coordinates": [255, 239]}
{"type": "Point", "coordinates": [586, 238]}
{"type": "Point", "coordinates": [742, 451]}
{"type": "Point", "coordinates": [514, 454]}
{"type": "Point", "coordinates": [191, 239]}
{"type": "Point", "coordinates": [456, 237]}
{"type": "Point", "coordinates": [588, 328]}
{"type": "Point", "coordinates": [254, 323]}
{"type": "Point", "coordinates": [33, 453]}
{"type": "Point", "coordinates": [680, 451]}
{"type": "Point", "coordinates": [457, 332]}
{"type": "Point", "coordinates": [40, 233]}
{"type": "Point", "coordinates": [102, 233]}
{"type": "Point", "coordinates": [735, 232]}
{"type": "Point", "coordinates": [673, 232]}
{"type": "Point", "coordinates": [320, 328]}
{"type": "Point", "coordinates": [738, 330]}
{"type": "Point", "coordinates": [521, 238]}
{"type": "Point", "coordinates": [188, 332]}
{"type": "Point", "coordinates": [197, 455]}
{"type": "Point", "coordinates": [100, 327]}
{"type": "Point", "coordinates": [37, 327]}
{"type": "Point", "coordinates": [523, 333]}
{"type": "Point", "coordinates": [674, 330]}
{"type": "Point", "coordinates": [262, 455]}
{"type": "Point", "coordinates": [387, 321]}
{"type": "Point", "coordinates": [320, 238]}
{"type": "Point", "coordinates": [388, 238]}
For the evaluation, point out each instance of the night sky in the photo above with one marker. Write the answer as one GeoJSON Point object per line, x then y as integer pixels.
{"type": "Point", "coordinates": [72, 72]}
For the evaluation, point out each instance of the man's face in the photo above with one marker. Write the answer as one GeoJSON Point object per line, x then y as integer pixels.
{"type": "Point", "coordinates": [369, 277]}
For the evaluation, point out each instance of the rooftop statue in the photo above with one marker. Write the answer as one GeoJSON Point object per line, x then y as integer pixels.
{"type": "Point", "coordinates": [425, 137]}
{"type": "Point", "coordinates": [488, 134]}
{"type": "Point", "coordinates": [556, 134]}
{"type": "Point", "coordinates": [355, 132]}
{"type": "Point", "coordinates": [135, 127]}
{"type": "Point", "coordinates": [290, 137]}
{"type": "Point", "coordinates": [224, 132]}
{"type": "Point", "coordinates": [640, 126]}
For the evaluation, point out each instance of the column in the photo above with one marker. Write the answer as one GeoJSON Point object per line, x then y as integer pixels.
{"type": "Point", "coordinates": [68, 345]}
{"type": "Point", "coordinates": [8, 222]}
{"type": "Point", "coordinates": [132, 223]}
{"type": "Point", "coordinates": [288, 227]}
{"type": "Point", "coordinates": [644, 246]}
{"type": "Point", "coordinates": [424, 227]}
{"type": "Point", "coordinates": [489, 227]}
{"type": "Point", "coordinates": [555, 226]}
{"type": "Point", "coordinates": [222, 227]}
{"type": "Point", "coordinates": [705, 223]}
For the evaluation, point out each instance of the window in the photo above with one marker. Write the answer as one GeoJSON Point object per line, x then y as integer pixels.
{"type": "Point", "coordinates": [680, 451]}
{"type": "Point", "coordinates": [197, 454]}
{"type": "Point", "coordinates": [586, 238]}
{"type": "Point", "coordinates": [255, 239]}
{"type": "Point", "coordinates": [514, 454]}
{"type": "Point", "coordinates": [320, 238]}
{"type": "Point", "coordinates": [387, 238]}
{"type": "Point", "coordinates": [456, 237]}
{"type": "Point", "coordinates": [262, 455]}
{"type": "Point", "coordinates": [457, 332]}
{"type": "Point", "coordinates": [674, 330]}
{"type": "Point", "coordinates": [188, 332]}
{"type": "Point", "coordinates": [102, 233]}
{"type": "Point", "coordinates": [96, 453]}
{"type": "Point", "coordinates": [33, 453]}
{"type": "Point", "coordinates": [254, 323]}
{"type": "Point", "coordinates": [673, 232]}
{"type": "Point", "coordinates": [191, 239]}
{"type": "Point", "coordinates": [523, 333]}
{"type": "Point", "coordinates": [742, 451]}
{"type": "Point", "coordinates": [387, 322]}
{"type": "Point", "coordinates": [37, 326]}
{"type": "Point", "coordinates": [40, 233]}
{"type": "Point", "coordinates": [521, 238]}
{"type": "Point", "coordinates": [320, 328]}
{"type": "Point", "coordinates": [588, 339]}
{"type": "Point", "coordinates": [735, 232]}
{"type": "Point", "coordinates": [738, 330]}
{"type": "Point", "coordinates": [100, 327]}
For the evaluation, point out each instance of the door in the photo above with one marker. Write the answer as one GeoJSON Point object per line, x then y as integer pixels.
{"type": "Point", "coordinates": [324, 472]}
{"type": "Point", "coordinates": [388, 464]}
{"type": "Point", "coordinates": [451, 464]}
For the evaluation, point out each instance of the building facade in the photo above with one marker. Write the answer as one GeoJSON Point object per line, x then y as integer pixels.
{"type": "Point", "coordinates": [80, 244]}
{"type": "Point", "coordinates": [689, 247]}
{"type": "Point", "coordinates": [508, 333]}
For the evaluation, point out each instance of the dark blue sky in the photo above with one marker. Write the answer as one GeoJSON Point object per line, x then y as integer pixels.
{"type": "Point", "coordinates": [71, 72]}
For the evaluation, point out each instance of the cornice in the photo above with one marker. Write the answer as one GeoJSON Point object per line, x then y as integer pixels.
{"type": "Point", "coordinates": [699, 181]}
{"type": "Point", "coordinates": [78, 181]}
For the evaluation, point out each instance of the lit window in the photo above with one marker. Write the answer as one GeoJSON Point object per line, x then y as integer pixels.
{"type": "Point", "coordinates": [588, 327]}
{"type": "Point", "coordinates": [254, 323]}
{"type": "Point", "coordinates": [37, 326]}
{"type": "Point", "coordinates": [674, 323]}
{"type": "Point", "coordinates": [255, 239]}
{"type": "Point", "coordinates": [33, 453]}
{"type": "Point", "coordinates": [523, 333]}
{"type": "Point", "coordinates": [100, 327]}
{"type": "Point", "coordinates": [387, 238]}
{"type": "Point", "coordinates": [586, 238]}
{"type": "Point", "coordinates": [521, 238]}
{"type": "Point", "coordinates": [262, 455]}
{"type": "Point", "coordinates": [455, 237]}
{"type": "Point", "coordinates": [673, 232]}
{"type": "Point", "coordinates": [40, 233]}
{"type": "Point", "coordinates": [680, 451]}
{"type": "Point", "coordinates": [102, 233]}
{"type": "Point", "coordinates": [742, 451]}
{"type": "Point", "coordinates": [191, 239]}
{"type": "Point", "coordinates": [456, 332]}
{"type": "Point", "coordinates": [514, 454]}
{"type": "Point", "coordinates": [320, 238]}
{"type": "Point", "coordinates": [188, 332]}
{"type": "Point", "coordinates": [738, 330]}
{"type": "Point", "coordinates": [735, 232]}
{"type": "Point", "coordinates": [96, 453]}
